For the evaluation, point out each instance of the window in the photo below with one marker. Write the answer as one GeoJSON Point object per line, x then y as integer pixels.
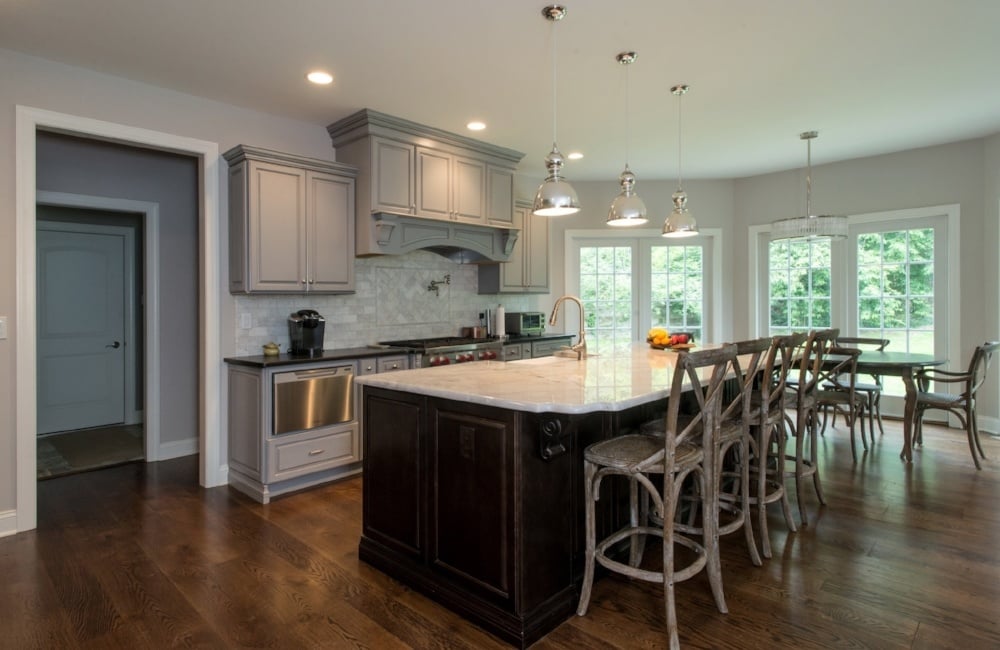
{"type": "Point", "coordinates": [799, 285]}
{"type": "Point", "coordinates": [889, 279]}
{"type": "Point", "coordinates": [628, 284]}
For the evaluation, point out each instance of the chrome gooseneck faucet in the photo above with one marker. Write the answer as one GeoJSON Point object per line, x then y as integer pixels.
{"type": "Point", "coordinates": [581, 344]}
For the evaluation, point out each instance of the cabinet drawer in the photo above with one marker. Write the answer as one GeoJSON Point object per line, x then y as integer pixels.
{"type": "Point", "coordinates": [513, 352]}
{"type": "Point", "coordinates": [388, 364]}
{"type": "Point", "coordinates": [368, 366]}
{"type": "Point", "coordinates": [294, 458]}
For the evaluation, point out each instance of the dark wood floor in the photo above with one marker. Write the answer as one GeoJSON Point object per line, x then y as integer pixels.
{"type": "Point", "coordinates": [138, 556]}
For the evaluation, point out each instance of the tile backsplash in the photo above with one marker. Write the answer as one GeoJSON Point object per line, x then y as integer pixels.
{"type": "Point", "coordinates": [391, 301]}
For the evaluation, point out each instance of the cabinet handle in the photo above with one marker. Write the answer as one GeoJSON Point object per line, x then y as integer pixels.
{"type": "Point", "coordinates": [315, 452]}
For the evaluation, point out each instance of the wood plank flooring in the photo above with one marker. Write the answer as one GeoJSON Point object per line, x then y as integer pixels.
{"type": "Point", "coordinates": [138, 556]}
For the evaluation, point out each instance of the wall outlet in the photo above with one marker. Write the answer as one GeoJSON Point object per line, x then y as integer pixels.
{"type": "Point", "coordinates": [246, 322]}
{"type": "Point", "coordinates": [3, 327]}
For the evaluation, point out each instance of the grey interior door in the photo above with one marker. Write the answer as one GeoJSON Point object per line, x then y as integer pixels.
{"type": "Point", "coordinates": [81, 327]}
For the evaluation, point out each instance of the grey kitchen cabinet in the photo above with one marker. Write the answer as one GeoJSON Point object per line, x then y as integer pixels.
{"type": "Point", "coordinates": [291, 223]}
{"type": "Point", "coordinates": [527, 269]}
{"type": "Point", "coordinates": [412, 170]}
{"type": "Point", "coordinates": [263, 463]}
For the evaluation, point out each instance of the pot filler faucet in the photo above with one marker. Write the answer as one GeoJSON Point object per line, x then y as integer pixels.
{"type": "Point", "coordinates": [581, 344]}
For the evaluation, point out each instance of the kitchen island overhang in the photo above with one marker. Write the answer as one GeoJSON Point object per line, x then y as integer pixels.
{"type": "Point", "coordinates": [473, 488]}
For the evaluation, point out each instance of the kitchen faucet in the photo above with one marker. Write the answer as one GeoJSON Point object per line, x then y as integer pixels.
{"type": "Point", "coordinates": [581, 344]}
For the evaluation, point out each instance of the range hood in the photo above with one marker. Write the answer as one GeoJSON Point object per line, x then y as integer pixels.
{"type": "Point", "coordinates": [385, 233]}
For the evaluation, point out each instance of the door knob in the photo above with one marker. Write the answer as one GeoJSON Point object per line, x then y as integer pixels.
{"type": "Point", "coordinates": [114, 345]}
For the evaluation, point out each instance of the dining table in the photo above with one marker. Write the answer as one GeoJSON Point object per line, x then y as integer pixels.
{"type": "Point", "coordinates": [903, 365]}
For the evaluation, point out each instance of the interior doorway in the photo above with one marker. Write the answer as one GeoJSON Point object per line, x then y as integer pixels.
{"type": "Point", "coordinates": [90, 339]}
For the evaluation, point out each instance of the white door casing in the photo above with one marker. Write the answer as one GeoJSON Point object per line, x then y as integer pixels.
{"type": "Point", "coordinates": [211, 380]}
{"type": "Point", "coordinates": [85, 283]}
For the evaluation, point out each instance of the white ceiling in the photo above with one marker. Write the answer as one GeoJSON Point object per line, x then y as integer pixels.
{"type": "Point", "coordinates": [872, 76]}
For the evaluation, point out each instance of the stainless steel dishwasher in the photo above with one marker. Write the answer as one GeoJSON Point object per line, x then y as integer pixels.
{"type": "Point", "coordinates": [309, 399]}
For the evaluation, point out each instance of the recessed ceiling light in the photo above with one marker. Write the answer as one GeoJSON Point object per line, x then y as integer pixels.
{"type": "Point", "coordinates": [320, 78]}
{"type": "Point", "coordinates": [574, 155]}
{"type": "Point", "coordinates": [476, 126]}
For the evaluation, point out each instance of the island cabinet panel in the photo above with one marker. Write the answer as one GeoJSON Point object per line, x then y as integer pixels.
{"type": "Point", "coordinates": [472, 497]}
{"type": "Point", "coordinates": [481, 507]}
{"type": "Point", "coordinates": [394, 486]}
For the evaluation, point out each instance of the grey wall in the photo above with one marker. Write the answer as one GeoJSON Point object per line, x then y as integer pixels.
{"type": "Point", "coordinates": [81, 166]}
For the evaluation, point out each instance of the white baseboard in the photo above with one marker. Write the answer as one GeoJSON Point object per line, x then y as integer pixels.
{"type": "Point", "coordinates": [989, 425]}
{"type": "Point", "coordinates": [8, 522]}
{"type": "Point", "coordinates": [178, 448]}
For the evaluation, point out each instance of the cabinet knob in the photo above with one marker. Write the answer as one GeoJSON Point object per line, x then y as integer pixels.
{"type": "Point", "coordinates": [310, 281]}
{"type": "Point", "coordinates": [303, 280]}
{"type": "Point", "coordinates": [368, 368]}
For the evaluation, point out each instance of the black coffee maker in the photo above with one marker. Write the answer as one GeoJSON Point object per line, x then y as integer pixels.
{"type": "Point", "coordinates": [305, 329]}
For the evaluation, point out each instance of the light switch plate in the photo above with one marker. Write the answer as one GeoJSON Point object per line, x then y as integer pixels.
{"type": "Point", "coordinates": [3, 327]}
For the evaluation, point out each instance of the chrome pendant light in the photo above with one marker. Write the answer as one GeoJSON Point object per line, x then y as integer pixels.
{"type": "Point", "coordinates": [555, 196]}
{"type": "Point", "coordinates": [810, 226]}
{"type": "Point", "coordinates": [680, 223]}
{"type": "Point", "coordinates": [627, 209]}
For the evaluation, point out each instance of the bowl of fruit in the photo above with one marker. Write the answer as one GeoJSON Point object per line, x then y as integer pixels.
{"type": "Point", "coordinates": [660, 339]}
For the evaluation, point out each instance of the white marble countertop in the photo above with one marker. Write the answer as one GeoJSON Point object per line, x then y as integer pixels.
{"type": "Point", "coordinates": [613, 382]}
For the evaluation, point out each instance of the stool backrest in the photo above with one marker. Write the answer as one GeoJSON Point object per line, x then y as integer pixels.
{"type": "Point", "coordinates": [701, 374]}
{"type": "Point", "coordinates": [746, 366]}
{"type": "Point", "coordinates": [811, 360]}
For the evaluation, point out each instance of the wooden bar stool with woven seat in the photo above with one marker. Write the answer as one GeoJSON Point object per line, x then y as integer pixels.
{"type": "Point", "coordinates": [767, 428]}
{"type": "Point", "coordinates": [685, 450]}
{"type": "Point", "coordinates": [804, 426]}
{"type": "Point", "coordinates": [734, 441]}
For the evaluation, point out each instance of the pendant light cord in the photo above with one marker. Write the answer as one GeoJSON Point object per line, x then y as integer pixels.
{"type": "Point", "coordinates": [809, 213]}
{"type": "Point", "coordinates": [554, 81]}
{"type": "Point", "coordinates": [628, 117]}
{"type": "Point", "coordinates": [680, 98]}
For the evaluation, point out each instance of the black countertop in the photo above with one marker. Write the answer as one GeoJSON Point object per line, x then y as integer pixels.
{"type": "Point", "coordinates": [284, 359]}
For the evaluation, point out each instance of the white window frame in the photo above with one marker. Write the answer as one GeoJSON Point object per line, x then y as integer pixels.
{"type": "Point", "coordinates": [844, 283]}
{"type": "Point", "coordinates": [641, 240]}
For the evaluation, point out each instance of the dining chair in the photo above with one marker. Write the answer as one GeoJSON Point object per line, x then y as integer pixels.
{"type": "Point", "coordinates": [963, 404]}
{"type": "Point", "coordinates": [837, 391]}
{"type": "Point", "coordinates": [802, 399]}
{"type": "Point", "coordinates": [687, 448]}
{"type": "Point", "coordinates": [871, 390]}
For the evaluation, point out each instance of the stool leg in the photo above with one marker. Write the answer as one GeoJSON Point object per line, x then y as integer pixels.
{"type": "Point", "coordinates": [744, 463]}
{"type": "Point", "coordinates": [589, 471]}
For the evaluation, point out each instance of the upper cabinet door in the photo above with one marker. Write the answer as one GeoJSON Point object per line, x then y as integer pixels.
{"type": "Point", "coordinates": [433, 184]}
{"type": "Point", "coordinates": [277, 213]}
{"type": "Point", "coordinates": [499, 196]}
{"type": "Point", "coordinates": [469, 190]}
{"type": "Point", "coordinates": [330, 206]}
{"type": "Point", "coordinates": [393, 176]}
{"type": "Point", "coordinates": [537, 271]}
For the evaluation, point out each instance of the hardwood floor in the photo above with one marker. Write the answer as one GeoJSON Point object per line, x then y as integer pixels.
{"type": "Point", "coordinates": [138, 556]}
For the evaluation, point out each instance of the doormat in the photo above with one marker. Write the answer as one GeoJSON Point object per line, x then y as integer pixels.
{"type": "Point", "coordinates": [71, 452]}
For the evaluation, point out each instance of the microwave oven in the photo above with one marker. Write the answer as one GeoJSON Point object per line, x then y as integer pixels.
{"type": "Point", "coordinates": [525, 323]}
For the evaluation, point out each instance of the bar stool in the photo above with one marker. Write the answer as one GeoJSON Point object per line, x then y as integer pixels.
{"type": "Point", "coordinates": [734, 440]}
{"type": "Point", "coordinates": [768, 439]}
{"type": "Point", "coordinates": [804, 426]}
{"type": "Point", "coordinates": [686, 449]}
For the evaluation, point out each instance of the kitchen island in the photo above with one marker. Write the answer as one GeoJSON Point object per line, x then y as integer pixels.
{"type": "Point", "coordinates": [473, 488]}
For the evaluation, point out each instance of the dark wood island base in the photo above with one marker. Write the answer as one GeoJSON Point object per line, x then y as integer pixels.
{"type": "Point", "coordinates": [481, 508]}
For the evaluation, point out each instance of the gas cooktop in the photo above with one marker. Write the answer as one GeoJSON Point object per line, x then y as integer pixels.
{"type": "Point", "coordinates": [436, 342]}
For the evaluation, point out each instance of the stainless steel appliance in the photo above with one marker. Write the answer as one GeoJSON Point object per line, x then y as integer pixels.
{"type": "Point", "coordinates": [305, 329]}
{"type": "Point", "coordinates": [309, 399]}
{"type": "Point", "coordinates": [446, 350]}
{"type": "Point", "coordinates": [525, 323]}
